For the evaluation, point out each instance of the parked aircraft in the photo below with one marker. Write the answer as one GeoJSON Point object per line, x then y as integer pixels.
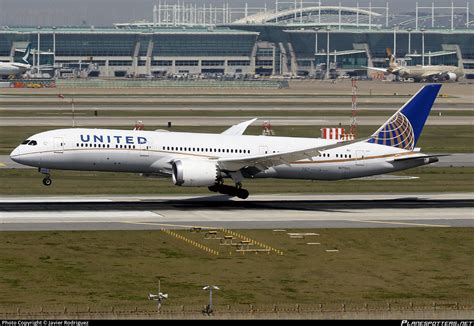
{"type": "Point", "coordinates": [437, 73]}
{"type": "Point", "coordinates": [208, 160]}
{"type": "Point", "coordinates": [16, 68]}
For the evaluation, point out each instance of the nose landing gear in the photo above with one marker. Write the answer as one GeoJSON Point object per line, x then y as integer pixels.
{"type": "Point", "coordinates": [47, 179]}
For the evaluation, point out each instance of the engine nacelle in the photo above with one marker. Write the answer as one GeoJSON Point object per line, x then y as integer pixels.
{"type": "Point", "coordinates": [449, 76]}
{"type": "Point", "coordinates": [195, 173]}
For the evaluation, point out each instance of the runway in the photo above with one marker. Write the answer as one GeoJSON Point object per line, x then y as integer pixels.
{"type": "Point", "coordinates": [258, 212]}
{"type": "Point", "coordinates": [66, 121]}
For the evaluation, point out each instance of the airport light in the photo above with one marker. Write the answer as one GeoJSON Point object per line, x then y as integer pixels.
{"type": "Point", "coordinates": [159, 298]}
{"type": "Point", "coordinates": [209, 288]}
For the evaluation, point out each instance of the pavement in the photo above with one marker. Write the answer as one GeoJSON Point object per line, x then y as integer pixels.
{"type": "Point", "coordinates": [260, 211]}
{"type": "Point", "coordinates": [66, 121]}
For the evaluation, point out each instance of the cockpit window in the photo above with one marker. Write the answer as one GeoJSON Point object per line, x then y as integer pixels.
{"type": "Point", "coordinates": [25, 142]}
{"type": "Point", "coordinates": [33, 143]}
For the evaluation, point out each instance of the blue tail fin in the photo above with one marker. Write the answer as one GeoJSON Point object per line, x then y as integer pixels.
{"type": "Point", "coordinates": [404, 128]}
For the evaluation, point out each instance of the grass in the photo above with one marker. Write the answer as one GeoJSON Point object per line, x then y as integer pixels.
{"type": "Point", "coordinates": [119, 268]}
{"type": "Point", "coordinates": [28, 182]}
{"type": "Point", "coordinates": [435, 139]}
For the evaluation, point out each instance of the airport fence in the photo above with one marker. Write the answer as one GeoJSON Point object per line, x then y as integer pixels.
{"type": "Point", "coordinates": [336, 310]}
{"type": "Point", "coordinates": [168, 83]}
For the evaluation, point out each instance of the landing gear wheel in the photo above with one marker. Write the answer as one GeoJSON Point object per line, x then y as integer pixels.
{"type": "Point", "coordinates": [47, 181]}
{"type": "Point", "coordinates": [242, 193]}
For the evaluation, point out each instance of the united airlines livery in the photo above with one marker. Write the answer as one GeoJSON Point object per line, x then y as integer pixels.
{"type": "Point", "coordinates": [206, 160]}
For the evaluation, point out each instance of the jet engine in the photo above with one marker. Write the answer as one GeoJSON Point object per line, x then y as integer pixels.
{"type": "Point", "coordinates": [449, 76]}
{"type": "Point", "coordinates": [195, 173]}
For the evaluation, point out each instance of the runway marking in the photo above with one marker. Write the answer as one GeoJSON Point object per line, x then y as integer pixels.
{"type": "Point", "coordinates": [166, 224]}
{"type": "Point", "coordinates": [2, 164]}
{"type": "Point", "coordinates": [402, 223]}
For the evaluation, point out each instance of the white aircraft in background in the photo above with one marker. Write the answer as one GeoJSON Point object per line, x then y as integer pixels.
{"type": "Point", "coordinates": [16, 68]}
{"type": "Point", "coordinates": [206, 160]}
{"type": "Point", "coordinates": [437, 73]}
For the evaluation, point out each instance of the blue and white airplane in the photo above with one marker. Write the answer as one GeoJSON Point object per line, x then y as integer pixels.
{"type": "Point", "coordinates": [206, 160]}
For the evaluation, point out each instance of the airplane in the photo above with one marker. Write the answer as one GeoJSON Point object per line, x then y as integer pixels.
{"type": "Point", "coordinates": [206, 160]}
{"type": "Point", "coordinates": [16, 68]}
{"type": "Point", "coordinates": [419, 73]}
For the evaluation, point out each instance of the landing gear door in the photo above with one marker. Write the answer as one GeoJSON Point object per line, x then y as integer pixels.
{"type": "Point", "coordinates": [58, 145]}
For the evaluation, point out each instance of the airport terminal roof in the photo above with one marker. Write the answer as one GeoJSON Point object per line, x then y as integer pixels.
{"type": "Point", "coordinates": [289, 14]}
{"type": "Point", "coordinates": [125, 30]}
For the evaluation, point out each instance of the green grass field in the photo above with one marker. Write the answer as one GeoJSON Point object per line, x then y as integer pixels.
{"type": "Point", "coordinates": [28, 182]}
{"type": "Point", "coordinates": [435, 139]}
{"type": "Point", "coordinates": [119, 268]}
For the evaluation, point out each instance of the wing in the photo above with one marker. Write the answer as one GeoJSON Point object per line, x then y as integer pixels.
{"type": "Point", "coordinates": [430, 73]}
{"type": "Point", "coordinates": [262, 162]}
{"type": "Point", "coordinates": [377, 69]}
{"type": "Point", "coordinates": [238, 129]}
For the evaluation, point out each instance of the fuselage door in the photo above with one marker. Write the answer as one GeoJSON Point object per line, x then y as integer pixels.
{"type": "Point", "coordinates": [58, 145]}
{"type": "Point", "coordinates": [145, 148]}
{"type": "Point", "coordinates": [360, 157]}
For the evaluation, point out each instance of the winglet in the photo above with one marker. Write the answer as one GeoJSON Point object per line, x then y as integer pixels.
{"type": "Point", "coordinates": [404, 128]}
{"type": "Point", "coordinates": [238, 129]}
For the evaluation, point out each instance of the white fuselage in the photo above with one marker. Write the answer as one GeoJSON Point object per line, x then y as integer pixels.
{"type": "Point", "coordinates": [153, 151]}
{"type": "Point", "coordinates": [13, 68]}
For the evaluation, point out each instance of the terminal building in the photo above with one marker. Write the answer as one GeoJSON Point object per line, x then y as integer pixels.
{"type": "Point", "coordinates": [300, 39]}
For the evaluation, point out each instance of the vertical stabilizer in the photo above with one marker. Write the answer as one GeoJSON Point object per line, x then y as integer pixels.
{"type": "Point", "coordinates": [404, 128]}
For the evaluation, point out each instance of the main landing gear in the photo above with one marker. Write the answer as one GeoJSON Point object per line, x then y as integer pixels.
{"type": "Point", "coordinates": [236, 191]}
{"type": "Point", "coordinates": [47, 179]}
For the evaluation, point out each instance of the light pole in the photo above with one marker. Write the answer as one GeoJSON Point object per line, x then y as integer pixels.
{"type": "Point", "coordinates": [54, 46]}
{"type": "Point", "coordinates": [395, 40]}
{"type": "Point", "coordinates": [409, 40]}
{"type": "Point", "coordinates": [423, 46]}
{"type": "Point", "coordinates": [316, 29]}
{"type": "Point", "coordinates": [209, 288]}
{"type": "Point", "coordinates": [39, 48]}
{"type": "Point", "coordinates": [328, 28]}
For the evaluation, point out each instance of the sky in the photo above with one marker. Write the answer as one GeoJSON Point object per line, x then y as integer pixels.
{"type": "Point", "coordinates": [107, 12]}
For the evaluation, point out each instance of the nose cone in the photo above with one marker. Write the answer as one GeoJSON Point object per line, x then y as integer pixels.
{"type": "Point", "coordinates": [15, 154]}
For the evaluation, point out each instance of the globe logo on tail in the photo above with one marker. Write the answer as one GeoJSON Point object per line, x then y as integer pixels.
{"type": "Point", "coordinates": [397, 132]}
